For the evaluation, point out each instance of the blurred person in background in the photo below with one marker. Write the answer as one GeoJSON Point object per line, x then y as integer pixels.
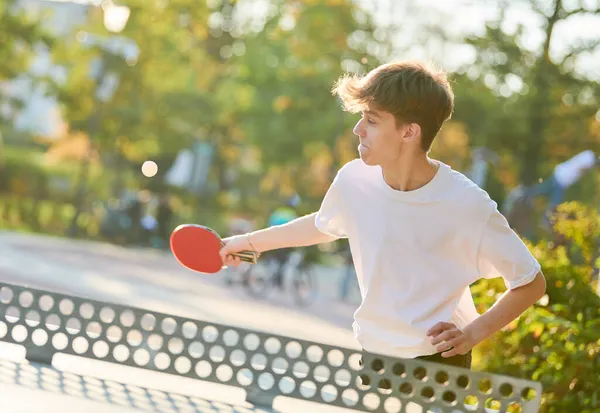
{"type": "Point", "coordinates": [282, 215]}
{"type": "Point", "coordinates": [563, 176]}
{"type": "Point", "coordinates": [135, 212]}
{"type": "Point", "coordinates": [482, 158]}
{"type": "Point", "coordinates": [164, 215]}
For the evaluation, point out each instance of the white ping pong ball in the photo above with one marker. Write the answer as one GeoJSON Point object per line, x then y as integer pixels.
{"type": "Point", "coordinates": [149, 169]}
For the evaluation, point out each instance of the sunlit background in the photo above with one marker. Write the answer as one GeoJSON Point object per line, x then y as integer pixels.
{"type": "Point", "coordinates": [119, 121]}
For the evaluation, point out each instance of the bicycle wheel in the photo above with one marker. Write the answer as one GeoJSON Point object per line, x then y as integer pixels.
{"type": "Point", "coordinates": [304, 287]}
{"type": "Point", "coordinates": [258, 280]}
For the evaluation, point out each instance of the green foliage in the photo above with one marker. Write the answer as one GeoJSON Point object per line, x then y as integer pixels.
{"type": "Point", "coordinates": [23, 173]}
{"type": "Point", "coordinates": [291, 74]}
{"type": "Point", "coordinates": [2, 155]}
{"type": "Point", "coordinates": [557, 341]}
{"type": "Point", "coordinates": [18, 35]}
{"type": "Point", "coordinates": [548, 118]}
{"type": "Point", "coordinates": [25, 214]}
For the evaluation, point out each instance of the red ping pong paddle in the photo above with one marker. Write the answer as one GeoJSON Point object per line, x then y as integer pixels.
{"type": "Point", "coordinates": [197, 247]}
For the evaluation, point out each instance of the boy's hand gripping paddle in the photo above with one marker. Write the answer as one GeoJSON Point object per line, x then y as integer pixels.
{"type": "Point", "coordinates": [197, 247]}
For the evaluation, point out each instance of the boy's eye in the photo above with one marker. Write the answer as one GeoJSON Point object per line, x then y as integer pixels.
{"type": "Point", "coordinates": [368, 118]}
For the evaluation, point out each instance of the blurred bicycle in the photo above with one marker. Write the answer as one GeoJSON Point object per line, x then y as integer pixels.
{"type": "Point", "coordinates": [296, 273]}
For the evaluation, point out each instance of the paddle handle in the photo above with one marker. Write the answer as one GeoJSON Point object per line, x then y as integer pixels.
{"type": "Point", "coordinates": [247, 256]}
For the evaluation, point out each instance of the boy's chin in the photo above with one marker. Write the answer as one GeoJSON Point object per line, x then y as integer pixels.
{"type": "Point", "coordinates": [367, 160]}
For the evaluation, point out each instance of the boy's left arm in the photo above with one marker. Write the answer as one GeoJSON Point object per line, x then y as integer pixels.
{"type": "Point", "coordinates": [503, 254]}
{"type": "Point", "coordinates": [453, 341]}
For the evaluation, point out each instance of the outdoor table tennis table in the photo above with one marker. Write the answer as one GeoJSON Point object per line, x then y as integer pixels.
{"type": "Point", "coordinates": [119, 358]}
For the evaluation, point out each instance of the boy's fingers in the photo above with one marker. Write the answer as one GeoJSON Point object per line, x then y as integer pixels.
{"type": "Point", "coordinates": [235, 261]}
{"type": "Point", "coordinates": [449, 344]}
{"type": "Point", "coordinates": [224, 254]}
{"type": "Point", "coordinates": [439, 328]}
{"type": "Point", "coordinates": [450, 353]}
{"type": "Point", "coordinates": [445, 336]}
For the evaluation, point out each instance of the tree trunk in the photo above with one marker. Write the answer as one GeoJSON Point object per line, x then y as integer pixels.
{"type": "Point", "coordinates": [540, 106]}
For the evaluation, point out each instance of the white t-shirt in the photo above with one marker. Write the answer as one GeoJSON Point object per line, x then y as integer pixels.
{"type": "Point", "coordinates": [569, 172]}
{"type": "Point", "coordinates": [417, 252]}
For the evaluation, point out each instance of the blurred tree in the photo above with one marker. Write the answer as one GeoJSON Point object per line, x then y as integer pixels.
{"type": "Point", "coordinates": [547, 104]}
{"type": "Point", "coordinates": [285, 77]}
{"type": "Point", "coordinates": [20, 34]}
{"type": "Point", "coordinates": [3, 182]}
{"type": "Point", "coordinates": [161, 73]}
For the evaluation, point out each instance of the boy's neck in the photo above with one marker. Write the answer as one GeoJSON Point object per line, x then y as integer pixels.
{"type": "Point", "coordinates": [410, 172]}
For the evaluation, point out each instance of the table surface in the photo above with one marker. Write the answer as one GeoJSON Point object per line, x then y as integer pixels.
{"type": "Point", "coordinates": [76, 385]}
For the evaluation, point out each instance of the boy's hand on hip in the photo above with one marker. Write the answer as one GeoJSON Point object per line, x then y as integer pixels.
{"type": "Point", "coordinates": [450, 339]}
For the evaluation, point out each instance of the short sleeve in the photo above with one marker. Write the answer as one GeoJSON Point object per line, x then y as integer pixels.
{"type": "Point", "coordinates": [503, 254]}
{"type": "Point", "coordinates": [330, 218]}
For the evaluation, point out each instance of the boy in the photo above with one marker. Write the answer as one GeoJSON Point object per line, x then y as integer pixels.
{"type": "Point", "coordinates": [420, 233]}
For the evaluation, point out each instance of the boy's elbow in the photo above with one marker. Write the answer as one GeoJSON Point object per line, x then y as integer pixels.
{"type": "Point", "coordinates": [538, 286]}
{"type": "Point", "coordinates": [535, 289]}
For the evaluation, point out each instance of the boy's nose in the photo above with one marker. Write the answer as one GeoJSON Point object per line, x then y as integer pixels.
{"type": "Point", "coordinates": [358, 129]}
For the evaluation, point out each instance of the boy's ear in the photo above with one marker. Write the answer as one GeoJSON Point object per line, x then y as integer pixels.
{"type": "Point", "coordinates": [412, 131]}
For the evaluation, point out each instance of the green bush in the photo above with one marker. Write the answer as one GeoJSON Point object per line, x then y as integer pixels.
{"type": "Point", "coordinates": [22, 176]}
{"type": "Point", "coordinates": [42, 216]}
{"type": "Point", "coordinates": [557, 342]}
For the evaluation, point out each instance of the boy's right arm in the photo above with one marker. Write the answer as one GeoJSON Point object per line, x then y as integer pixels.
{"type": "Point", "coordinates": [301, 232]}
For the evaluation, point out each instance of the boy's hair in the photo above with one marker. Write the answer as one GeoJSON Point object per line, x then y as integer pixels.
{"type": "Point", "coordinates": [411, 91]}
